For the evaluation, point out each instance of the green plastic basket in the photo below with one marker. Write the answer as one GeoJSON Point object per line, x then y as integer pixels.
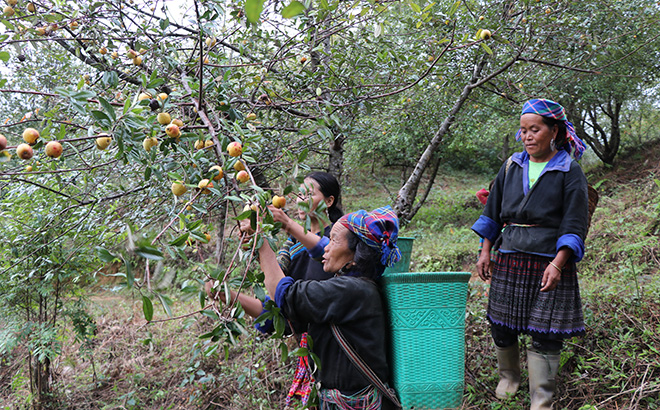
{"type": "Point", "coordinates": [403, 265]}
{"type": "Point", "coordinates": [427, 327]}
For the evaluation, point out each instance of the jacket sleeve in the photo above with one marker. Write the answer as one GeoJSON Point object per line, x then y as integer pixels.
{"type": "Point", "coordinates": [489, 225]}
{"type": "Point", "coordinates": [573, 227]}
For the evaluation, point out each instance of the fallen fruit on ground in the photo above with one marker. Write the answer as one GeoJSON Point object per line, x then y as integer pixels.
{"type": "Point", "coordinates": [24, 151]}
{"type": "Point", "coordinates": [54, 149]}
{"type": "Point", "coordinates": [234, 149]}
{"type": "Point", "coordinates": [178, 188]}
{"type": "Point", "coordinates": [30, 135]}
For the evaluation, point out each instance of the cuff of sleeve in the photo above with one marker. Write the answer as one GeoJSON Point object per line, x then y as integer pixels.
{"type": "Point", "coordinates": [487, 228]}
{"type": "Point", "coordinates": [317, 251]}
{"type": "Point", "coordinates": [281, 289]}
{"type": "Point", "coordinates": [574, 243]}
{"type": "Point", "coordinates": [267, 326]}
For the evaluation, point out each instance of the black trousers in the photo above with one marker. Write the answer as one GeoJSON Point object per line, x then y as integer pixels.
{"type": "Point", "coordinates": [505, 337]}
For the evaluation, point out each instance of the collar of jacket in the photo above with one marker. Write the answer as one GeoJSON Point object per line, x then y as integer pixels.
{"type": "Point", "coordinates": [561, 162]}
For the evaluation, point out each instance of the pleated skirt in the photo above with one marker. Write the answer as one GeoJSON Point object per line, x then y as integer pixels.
{"type": "Point", "coordinates": [516, 303]}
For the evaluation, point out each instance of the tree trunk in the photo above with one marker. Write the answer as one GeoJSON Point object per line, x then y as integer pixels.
{"type": "Point", "coordinates": [403, 205]}
{"type": "Point", "coordinates": [336, 159]}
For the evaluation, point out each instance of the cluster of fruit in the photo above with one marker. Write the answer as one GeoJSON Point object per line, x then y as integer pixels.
{"type": "Point", "coordinates": [25, 151]}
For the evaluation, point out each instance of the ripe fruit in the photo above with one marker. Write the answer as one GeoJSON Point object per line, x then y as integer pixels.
{"type": "Point", "coordinates": [148, 143]}
{"type": "Point", "coordinates": [31, 8]}
{"type": "Point", "coordinates": [279, 201]}
{"type": "Point", "coordinates": [208, 143]}
{"type": "Point", "coordinates": [162, 96]}
{"type": "Point", "coordinates": [217, 170]}
{"type": "Point", "coordinates": [103, 50]}
{"type": "Point", "coordinates": [210, 41]}
{"type": "Point", "coordinates": [54, 149]}
{"type": "Point", "coordinates": [24, 151]}
{"type": "Point", "coordinates": [164, 118]}
{"type": "Point", "coordinates": [204, 184]}
{"type": "Point", "coordinates": [207, 236]}
{"type": "Point", "coordinates": [143, 51]}
{"type": "Point", "coordinates": [302, 60]}
{"type": "Point", "coordinates": [234, 149]}
{"type": "Point", "coordinates": [239, 165]}
{"type": "Point", "coordinates": [30, 135]}
{"type": "Point", "coordinates": [131, 54]}
{"type": "Point", "coordinates": [242, 176]}
{"type": "Point", "coordinates": [41, 31]}
{"type": "Point", "coordinates": [481, 18]}
{"type": "Point", "coordinates": [177, 122]}
{"type": "Point", "coordinates": [114, 55]}
{"type": "Point", "coordinates": [251, 116]}
{"type": "Point", "coordinates": [3, 142]}
{"type": "Point", "coordinates": [9, 11]}
{"type": "Point", "coordinates": [485, 34]}
{"type": "Point", "coordinates": [178, 188]}
{"type": "Point", "coordinates": [173, 131]}
{"type": "Point", "coordinates": [137, 60]}
{"type": "Point", "coordinates": [12, 2]}
{"type": "Point", "coordinates": [143, 96]}
{"type": "Point", "coordinates": [103, 142]}
{"type": "Point", "coordinates": [28, 168]}
{"type": "Point", "coordinates": [199, 144]}
{"type": "Point", "coordinates": [73, 25]}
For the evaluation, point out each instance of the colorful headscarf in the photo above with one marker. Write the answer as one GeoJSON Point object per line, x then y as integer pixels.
{"type": "Point", "coordinates": [378, 229]}
{"type": "Point", "coordinates": [551, 109]}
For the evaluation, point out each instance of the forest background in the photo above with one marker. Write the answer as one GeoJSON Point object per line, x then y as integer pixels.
{"type": "Point", "coordinates": [408, 103]}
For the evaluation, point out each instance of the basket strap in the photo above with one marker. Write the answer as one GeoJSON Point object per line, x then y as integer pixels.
{"type": "Point", "coordinates": [363, 367]}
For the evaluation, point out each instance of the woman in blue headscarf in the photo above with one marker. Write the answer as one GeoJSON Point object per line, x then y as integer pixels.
{"type": "Point", "coordinates": [537, 211]}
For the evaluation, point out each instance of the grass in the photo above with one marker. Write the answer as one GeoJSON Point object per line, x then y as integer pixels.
{"type": "Point", "coordinates": [167, 366]}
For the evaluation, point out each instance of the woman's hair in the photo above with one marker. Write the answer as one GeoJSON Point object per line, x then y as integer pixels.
{"type": "Point", "coordinates": [367, 259]}
{"type": "Point", "coordinates": [560, 141]}
{"type": "Point", "coordinates": [329, 187]}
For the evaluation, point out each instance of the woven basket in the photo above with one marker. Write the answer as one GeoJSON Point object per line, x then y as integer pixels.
{"type": "Point", "coordinates": [427, 326]}
{"type": "Point", "coordinates": [403, 265]}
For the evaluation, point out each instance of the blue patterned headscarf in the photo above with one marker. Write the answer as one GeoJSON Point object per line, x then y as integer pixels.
{"type": "Point", "coordinates": [378, 229]}
{"type": "Point", "coordinates": [551, 109]}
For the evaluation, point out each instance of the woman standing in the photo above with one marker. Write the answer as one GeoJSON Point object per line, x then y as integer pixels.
{"type": "Point", "coordinates": [538, 211]}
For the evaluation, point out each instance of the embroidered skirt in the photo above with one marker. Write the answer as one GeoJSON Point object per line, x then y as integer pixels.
{"type": "Point", "coordinates": [515, 301]}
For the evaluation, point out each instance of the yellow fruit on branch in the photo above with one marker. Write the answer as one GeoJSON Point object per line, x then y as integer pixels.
{"type": "Point", "coordinates": [239, 166]}
{"type": "Point", "coordinates": [3, 142]}
{"type": "Point", "coordinates": [32, 8]}
{"type": "Point", "coordinates": [199, 144]}
{"type": "Point", "coordinates": [54, 149]}
{"type": "Point", "coordinates": [149, 143]}
{"type": "Point", "coordinates": [485, 34]}
{"type": "Point", "coordinates": [242, 176]}
{"type": "Point", "coordinates": [137, 60]}
{"type": "Point", "coordinates": [279, 201]}
{"type": "Point", "coordinates": [208, 143]}
{"type": "Point", "coordinates": [131, 54]}
{"type": "Point", "coordinates": [30, 135]}
{"type": "Point", "coordinates": [144, 96]}
{"type": "Point", "coordinates": [24, 151]}
{"type": "Point", "coordinates": [8, 11]}
{"type": "Point", "coordinates": [178, 188]}
{"type": "Point", "coordinates": [164, 118]}
{"type": "Point", "coordinates": [235, 149]}
{"type": "Point", "coordinates": [103, 142]}
{"type": "Point", "coordinates": [103, 50]}
{"type": "Point", "coordinates": [251, 116]}
{"type": "Point", "coordinates": [177, 122]}
{"type": "Point", "coordinates": [173, 131]}
{"type": "Point", "coordinates": [162, 96]}
{"type": "Point", "coordinates": [217, 170]}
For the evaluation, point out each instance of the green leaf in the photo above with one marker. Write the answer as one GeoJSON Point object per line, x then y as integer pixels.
{"type": "Point", "coordinates": [108, 108]}
{"type": "Point", "coordinates": [180, 240]}
{"type": "Point", "coordinates": [100, 115]}
{"type": "Point", "coordinates": [284, 351]}
{"type": "Point", "coordinates": [167, 303]}
{"type": "Point", "coordinates": [415, 7]}
{"type": "Point", "coordinates": [486, 48]}
{"type": "Point", "coordinates": [4, 56]}
{"type": "Point", "coordinates": [149, 252]}
{"type": "Point", "coordinates": [454, 8]}
{"type": "Point", "coordinates": [293, 9]}
{"type": "Point", "coordinates": [253, 9]}
{"type": "Point", "coordinates": [147, 308]}
{"type": "Point", "coordinates": [105, 255]}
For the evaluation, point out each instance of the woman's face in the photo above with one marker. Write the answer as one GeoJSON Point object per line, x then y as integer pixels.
{"type": "Point", "coordinates": [537, 137]}
{"type": "Point", "coordinates": [311, 189]}
{"type": "Point", "coordinates": [337, 253]}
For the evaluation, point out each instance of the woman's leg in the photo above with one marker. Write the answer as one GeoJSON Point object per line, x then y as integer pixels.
{"type": "Point", "coordinates": [543, 365]}
{"type": "Point", "coordinates": [508, 360]}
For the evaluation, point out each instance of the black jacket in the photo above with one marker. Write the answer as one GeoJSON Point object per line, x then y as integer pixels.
{"type": "Point", "coordinates": [541, 220]}
{"type": "Point", "coordinates": [355, 306]}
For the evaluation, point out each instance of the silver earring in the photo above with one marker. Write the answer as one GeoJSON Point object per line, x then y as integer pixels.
{"type": "Point", "coordinates": [552, 144]}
